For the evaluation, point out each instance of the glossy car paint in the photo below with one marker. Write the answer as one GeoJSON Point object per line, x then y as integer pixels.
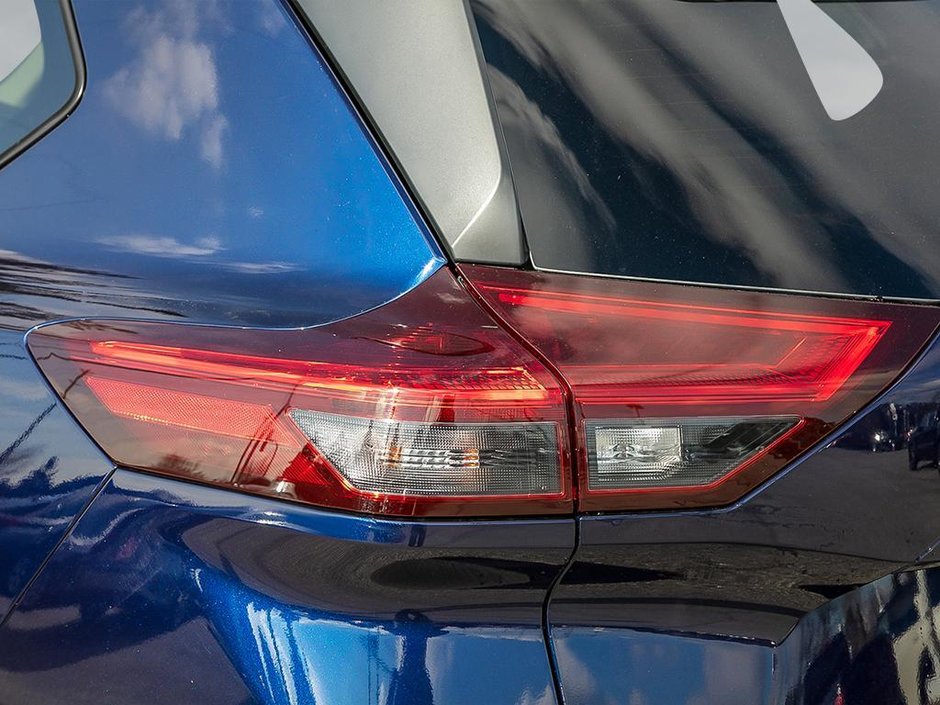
{"type": "Point", "coordinates": [877, 644]}
{"type": "Point", "coordinates": [48, 469]}
{"type": "Point", "coordinates": [809, 587]}
{"type": "Point", "coordinates": [438, 123]}
{"type": "Point", "coordinates": [138, 589]}
{"type": "Point", "coordinates": [213, 171]}
{"type": "Point", "coordinates": [167, 591]}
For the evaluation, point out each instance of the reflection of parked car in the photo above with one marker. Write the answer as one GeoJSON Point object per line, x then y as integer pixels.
{"type": "Point", "coordinates": [923, 441]}
{"type": "Point", "coordinates": [881, 431]}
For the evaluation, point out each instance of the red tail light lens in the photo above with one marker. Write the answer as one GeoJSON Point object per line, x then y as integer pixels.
{"type": "Point", "coordinates": [691, 396]}
{"type": "Point", "coordinates": [433, 406]}
{"type": "Point", "coordinates": [422, 407]}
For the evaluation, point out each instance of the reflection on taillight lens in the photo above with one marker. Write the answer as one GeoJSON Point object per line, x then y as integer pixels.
{"type": "Point", "coordinates": [422, 407]}
{"type": "Point", "coordinates": [689, 396]}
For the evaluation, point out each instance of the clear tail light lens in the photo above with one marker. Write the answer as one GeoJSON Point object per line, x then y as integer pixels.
{"type": "Point", "coordinates": [437, 459]}
{"type": "Point", "coordinates": [690, 396]}
{"type": "Point", "coordinates": [422, 407]}
{"type": "Point", "coordinates": [661, 453]}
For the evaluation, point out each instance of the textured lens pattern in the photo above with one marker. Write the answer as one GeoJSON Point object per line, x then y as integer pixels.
{"type": "Point", "coordinates": [634, 453]}
{"type": "Point", "coordinates": [407, 458]}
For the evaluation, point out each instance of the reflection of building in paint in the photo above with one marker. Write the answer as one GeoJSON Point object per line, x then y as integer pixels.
{"type": "Point", "coordinates": [33, 291]}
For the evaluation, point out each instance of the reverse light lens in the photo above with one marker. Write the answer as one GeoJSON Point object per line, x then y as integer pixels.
{"type": "Point", "coordinates": [638, 454]}
{"type": "Point", "coordinates": [463, 460]}
{"type": "Point", "coordinates": [691, 396]}
{"type": "Point", "coordinates": [423, 407]}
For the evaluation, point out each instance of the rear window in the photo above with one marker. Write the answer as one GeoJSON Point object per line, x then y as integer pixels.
{"type": "Point", "coordinates": [39, 77]}
{"type": "Point", "coordinates": [774, 144]}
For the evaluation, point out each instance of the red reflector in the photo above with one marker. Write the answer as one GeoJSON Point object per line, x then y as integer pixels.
{"type": "Point", "coordinates": [691, 396]}
{"type": "Point", "coordinates": [421, 407]}
{"type": "Point", "coordinates": [164, 407]}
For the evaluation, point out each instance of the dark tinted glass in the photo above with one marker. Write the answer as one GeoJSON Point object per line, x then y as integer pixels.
{"type": "Point", "coordinates": [739, 142]}
{"type": "Point", "coordinates": [38, 74]}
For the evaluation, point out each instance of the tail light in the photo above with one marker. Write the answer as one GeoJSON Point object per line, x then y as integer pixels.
{"type": "Point", "coordinates": [689, 396]}
{"type": "Point", "coordinates": [503, 400]}
{"type": "Point", "coordinates": [421, 407]}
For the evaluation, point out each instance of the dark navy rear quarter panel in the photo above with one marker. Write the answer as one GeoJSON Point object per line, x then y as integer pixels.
{"type": "Point", "coordinates": [814, 585]}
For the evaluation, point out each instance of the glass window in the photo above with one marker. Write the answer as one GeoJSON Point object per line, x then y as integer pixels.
{"type": "Point", "coordinates": [39, 75]}
{"type": "Point", "coordinates": [784, 144]}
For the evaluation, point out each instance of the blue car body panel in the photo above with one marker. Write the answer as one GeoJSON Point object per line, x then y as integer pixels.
{"type": "Point", "coordinates": [232, 598]}
{"type": "Point", "coordinates": [49, 469]}
{"type": "Point", "coordinates": [214, 171]}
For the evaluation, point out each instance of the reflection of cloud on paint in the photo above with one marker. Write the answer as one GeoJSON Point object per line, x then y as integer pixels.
{"type": "Point", "coordinates": [579, 676]}
{"type": "Point", "coordinates": [211, 141]}
{"type": "Point", "coordinates": [544, 697]}
{"type": "Point", "coordinates": [270, 19]}
{"type": "Point", "coordinates": [171, 89]}
{"type": "Point", "coordinates": [162, 246]}
{"type": "Point", "coordinates": [743, 665]}
{"type": "Point", "coordinates": [173, 84]}
{"type": "Point", "coordinates": [260, 267]}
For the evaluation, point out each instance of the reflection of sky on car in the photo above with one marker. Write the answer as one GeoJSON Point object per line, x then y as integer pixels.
{"type": "Point", "coordinates": [209, 147]}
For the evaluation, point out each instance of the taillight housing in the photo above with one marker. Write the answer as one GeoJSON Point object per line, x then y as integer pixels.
{"type": "Point", "coordinates": [691, 396]}
{"type": "Point", "coordinates": [423, 407]}
{"type": "Point", "coordinates": [510, 393]}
